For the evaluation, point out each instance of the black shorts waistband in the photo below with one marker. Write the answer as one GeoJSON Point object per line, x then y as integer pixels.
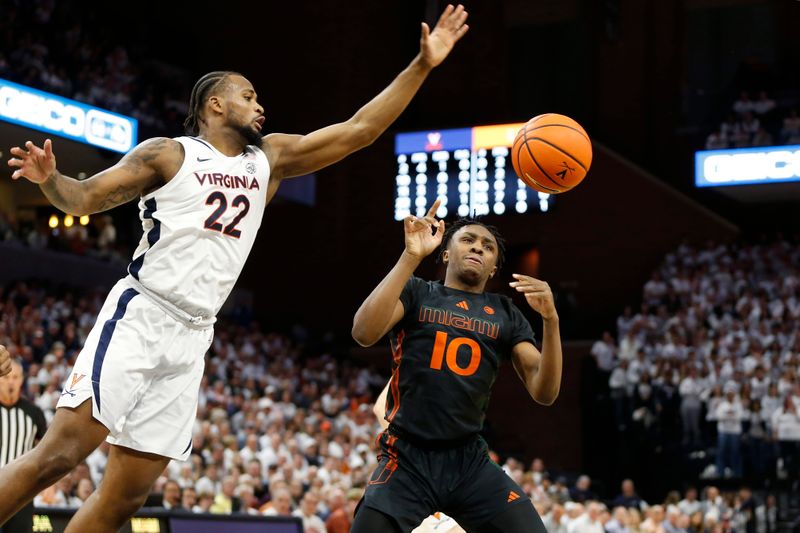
{"type": "Point", "coordinates": [431, 444]}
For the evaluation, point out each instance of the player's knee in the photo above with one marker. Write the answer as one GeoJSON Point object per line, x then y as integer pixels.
{"type": "Point", "coordinates": [122, 505]}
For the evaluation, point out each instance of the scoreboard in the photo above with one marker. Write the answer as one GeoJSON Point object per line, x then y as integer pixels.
{"type": "Point", "coordinates": [468, 168]}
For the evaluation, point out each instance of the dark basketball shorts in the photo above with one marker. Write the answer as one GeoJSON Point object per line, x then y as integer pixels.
{"type": "Point", "coordinates": [411, 483]}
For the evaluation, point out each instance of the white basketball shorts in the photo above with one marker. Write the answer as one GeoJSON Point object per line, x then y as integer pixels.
{"type": "Point", "coordinates": [142, 369]}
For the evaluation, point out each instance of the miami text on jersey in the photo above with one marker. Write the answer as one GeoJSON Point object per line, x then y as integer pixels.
{"type": "Point", "coordinates": [435, 315]}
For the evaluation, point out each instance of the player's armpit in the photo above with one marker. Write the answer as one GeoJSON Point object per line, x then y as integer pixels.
{"type": "Point", "coordinates": [144, 169]}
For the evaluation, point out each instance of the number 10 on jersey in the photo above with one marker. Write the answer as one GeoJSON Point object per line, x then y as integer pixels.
{"type": "Point", "coordinates": [448, 353]}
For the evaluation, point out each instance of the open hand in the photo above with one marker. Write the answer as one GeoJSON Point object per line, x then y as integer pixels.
{"type": "Point", "coordinates": [435, 45]}
{"type": "Point", "coordinates": [34, 163]}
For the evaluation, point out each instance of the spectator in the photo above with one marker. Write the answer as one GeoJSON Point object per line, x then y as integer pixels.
{"type": "Point", "coordinates": [690, 505]}
{"type": "Point", "coordinates": [226, 501]}
{"type": "Point", "coordinates": [628, 497]}
{"type": "Point", "coordinates": [786, 428]}
{"type": "Point", "coordinates": [790, 132]}
{"type": "Point", "coordinates": [312, 523]}
{"type": "Point", "coordinates": [619, 522]}
{"type": "Point", "coordinates": [171, 498]}
{"type": "Point", "coordinates": [341, 518]}
{"type": "Point", "coordinates": [604, 352]}
{"type": "Point", "coordinates": [691, 389]}
{"type": "Point", "coordinates": [655, 520]}
{"type": "Point", "coordinates": [588, 522]}
{"type": "Point", "coordinates": [280, 504]}
{"type": "Point", "coordinates": [764, 104]}
{"type": "Point", "coordinates": [744, 104]}
{"type": "Point", "coordinates": [717, 140]}
{"type": "Point", "coordinates": [582, 492]}
{"type": "Point", "coordinates": [672, 523]}
{"type": "Point", "coordinates": [731, 127]}
{"type": "Point", "coordinates": [729, 432]}
{"type": "Point", "coordinates": [555, 520]}
{"type": "Point", "coordinates": [188, 499]}
{"type": "Point", "coordinates": [84, 489]}
{"type": "Point", "coordinates": [204, 502]}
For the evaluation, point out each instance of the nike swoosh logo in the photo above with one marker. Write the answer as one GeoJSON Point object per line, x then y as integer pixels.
{"type": "Point", "coordinates": [203, 160]}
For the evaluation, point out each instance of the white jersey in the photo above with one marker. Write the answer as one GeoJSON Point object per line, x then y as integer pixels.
{"type": "Point", "coordinates": [199, 229]}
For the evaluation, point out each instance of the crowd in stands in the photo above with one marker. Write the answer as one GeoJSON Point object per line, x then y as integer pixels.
{"type": "Point", "coordinates": [756, 122]}
{"type": "Point", "coordinates": [283, 430]}
{"type": "Point", "coordinates": [97, 238]}
{"type": "Point", "coordinates": [59, 49]}
{"type": "Point", "coordinates": [712, 359]}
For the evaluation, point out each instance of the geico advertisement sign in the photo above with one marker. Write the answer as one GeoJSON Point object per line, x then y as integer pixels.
{"type": "Point", "coordinates": [54, 114]}
{"type": "Point", "coordinates": [747, 165]}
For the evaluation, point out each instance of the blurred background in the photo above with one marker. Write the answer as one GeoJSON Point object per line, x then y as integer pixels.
{"type": "Point", "coordinates": [675, 287]}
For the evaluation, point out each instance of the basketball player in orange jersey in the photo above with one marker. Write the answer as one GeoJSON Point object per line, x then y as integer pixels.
{"type": "Point", "coordinates": [448, 340]}
{"type": "Point", "coordinates": [201, 198]}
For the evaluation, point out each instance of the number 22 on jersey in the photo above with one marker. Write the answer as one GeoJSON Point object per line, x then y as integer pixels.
{"type": "Point", "coordinates": [448, 353]}
{"type": "Point", "coordinates": [222, 205]}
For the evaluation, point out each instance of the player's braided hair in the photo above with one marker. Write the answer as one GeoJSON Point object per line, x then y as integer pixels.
{"type": "Point", "coordinates": [460, 223]}
{"type": "Point", "coordinates": [203, 89]}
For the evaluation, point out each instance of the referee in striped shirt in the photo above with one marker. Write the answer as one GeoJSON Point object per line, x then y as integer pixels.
{"type": "Point", "coordinates": [22, 425]}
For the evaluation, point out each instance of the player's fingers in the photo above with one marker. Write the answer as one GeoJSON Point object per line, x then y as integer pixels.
{"type": "Point", "coordinates": [434, 208]}
{"type": "Point", "coordinates": [48, 148]}
{"type": "Point", "coordinates": [16, 175]}
{"type": "Point", "coordinates": [18, 151]}
{"type": "Point", "coordinates": [14, 162]}
{"type": "Point", "coordinates": [439, 231]}
{"type": "Point", "coordinates": [426, 31]}
{"type": "Point", "coordinates": [531, 290]}
{"type": "Point", "coordinates": [456, 14]}
{"type": "Point", "coordinates": [461, 18]}
{"type": "Point", "coordinates": [461, 31]}
{"type": "Point", "coordinates": [446, 13]}
{"type": "Point", "coordinates": [522, 277]}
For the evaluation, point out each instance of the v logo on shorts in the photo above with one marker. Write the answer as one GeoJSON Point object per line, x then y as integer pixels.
{"type": "Point", "coordinates": [75, 380]}
{"type": "Point", "coordinates": [512, 496]}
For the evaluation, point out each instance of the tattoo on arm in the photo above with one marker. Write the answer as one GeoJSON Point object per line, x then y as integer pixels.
{"type": "Point", "coordinates": [63, 192]}
{"type": "Point", "coordinates": [120, 195]}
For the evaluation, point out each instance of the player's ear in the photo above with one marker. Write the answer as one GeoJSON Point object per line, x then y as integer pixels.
{"type": "Point", "coordinates": [493, 272]}
{"type": "Point", "coordinates": [445, 256]}
{"type": "Point", "coordinates": [216, 104]}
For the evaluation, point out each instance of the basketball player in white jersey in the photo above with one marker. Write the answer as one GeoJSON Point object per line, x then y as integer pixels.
{"type": "Point", "coordinates": [201, 198]}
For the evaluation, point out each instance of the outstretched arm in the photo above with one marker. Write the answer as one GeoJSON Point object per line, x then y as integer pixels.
{"type": "Point", "coordinates": [295, 155]}
{"type": "Point", "coordinates": [540, 372]}
{"type": "Point", "coordinates": [383, 309]}
{"type": "Point", "coordinates": [142, 169]}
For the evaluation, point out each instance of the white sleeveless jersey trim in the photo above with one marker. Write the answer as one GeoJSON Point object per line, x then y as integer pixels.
{"type": "Point", "coordinates": [199, 228]}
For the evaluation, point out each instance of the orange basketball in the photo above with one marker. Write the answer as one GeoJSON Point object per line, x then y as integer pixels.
{"type": "Point", "coordinates": [551, 153]}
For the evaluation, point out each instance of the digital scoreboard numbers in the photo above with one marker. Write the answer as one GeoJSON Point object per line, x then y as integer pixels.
{"type": "Point", "coordinates": [469, 169]}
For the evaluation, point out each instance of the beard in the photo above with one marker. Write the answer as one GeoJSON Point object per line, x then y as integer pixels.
{"type": "Point", "coordinates": [250, 135]}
